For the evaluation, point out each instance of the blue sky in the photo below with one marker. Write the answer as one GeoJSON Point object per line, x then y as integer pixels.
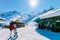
{"type": "Point", "coordinates": [23, 5]}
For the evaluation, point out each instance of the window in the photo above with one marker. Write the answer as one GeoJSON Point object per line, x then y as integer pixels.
{"type": "Point", "coordinates": [58, 24]}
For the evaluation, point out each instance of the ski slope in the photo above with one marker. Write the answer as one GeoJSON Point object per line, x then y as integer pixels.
{"type": "Point", "coordinates": [24, 33]}
{"type": "Point", "coordinates": [29, 33]}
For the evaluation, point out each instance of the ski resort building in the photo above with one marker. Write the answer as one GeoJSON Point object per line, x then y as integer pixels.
{"type": "Point", "coordinates": [19, 23]}
{"type": "Point", "coordinates": [50, 20]}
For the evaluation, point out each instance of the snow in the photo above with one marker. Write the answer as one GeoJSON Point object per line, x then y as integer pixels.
{"type": "Point", "coordinates": [4, 34]}
{"type": "Point", "coordinates": [49, 34]}
{"type": "Point", "coordinates": [50, 14]}
{"type": "Point", "coordinates": [24, 33]}
{"type": "Point", "coordinates": [30, 32]}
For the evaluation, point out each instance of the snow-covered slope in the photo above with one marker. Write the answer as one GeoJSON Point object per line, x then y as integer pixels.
{"type": "Point", "coordinates": [29, 33]}
{"type": "Point", "coordinates": [24, 33]}
{"type": "Point", "coordinates": [4, 34]}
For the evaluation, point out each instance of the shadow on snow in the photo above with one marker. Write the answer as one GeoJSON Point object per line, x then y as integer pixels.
{"type": "Point", "coordinates": [49, 34]}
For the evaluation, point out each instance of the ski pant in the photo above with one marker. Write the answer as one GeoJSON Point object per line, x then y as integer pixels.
{"type": "Point", "coordinates": [12, 33]}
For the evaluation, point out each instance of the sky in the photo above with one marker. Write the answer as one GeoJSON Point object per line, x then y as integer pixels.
{"type": "Point", "coordinates": [28, 5]}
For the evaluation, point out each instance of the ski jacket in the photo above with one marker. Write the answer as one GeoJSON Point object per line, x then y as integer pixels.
{"type": "Point", "coordinates": [11, 26]}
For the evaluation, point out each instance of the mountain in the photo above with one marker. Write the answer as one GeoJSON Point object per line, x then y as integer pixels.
{"type": "Point", "coordinates": [14, 15]}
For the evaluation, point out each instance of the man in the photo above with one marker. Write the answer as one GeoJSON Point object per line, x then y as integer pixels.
{"type": "Point", "coordinates": [12, 29]}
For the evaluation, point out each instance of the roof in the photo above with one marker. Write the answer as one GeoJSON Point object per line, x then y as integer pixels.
{"type": "Point", "coordinates": [50, 14]}
{"type": "Point", "coordinates": [2, 20]}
